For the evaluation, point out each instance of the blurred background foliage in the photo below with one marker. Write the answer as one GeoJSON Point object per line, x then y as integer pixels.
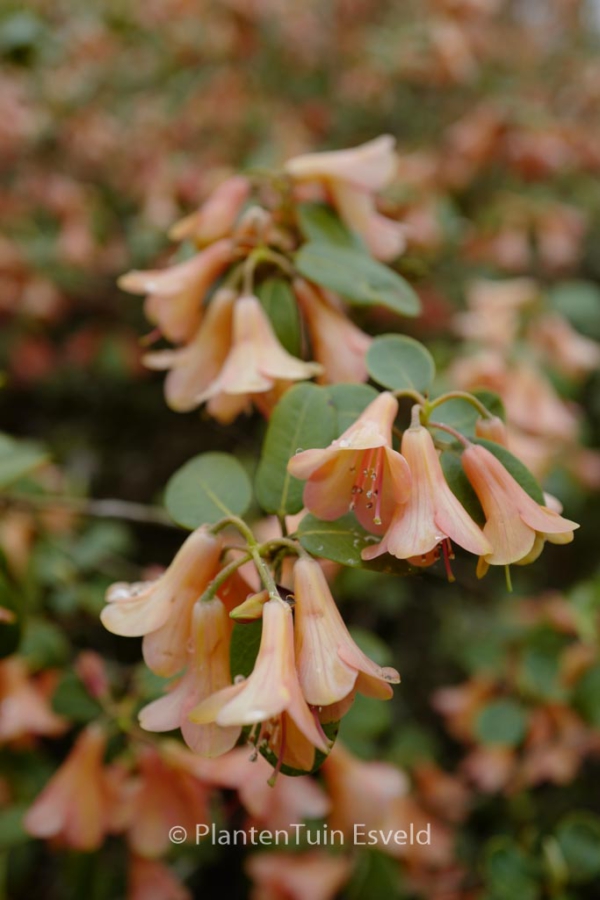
{"type": "Point", "coordinates": [118, 117]}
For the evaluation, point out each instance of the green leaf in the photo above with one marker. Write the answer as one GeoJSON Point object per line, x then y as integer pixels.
{"type": "Point", "coordinates": [12, 833]}
{"type": "Point", "coordinates": [460, 485]}
{"type": "Point", "coordinates": [331, 730]}
{"type": "Point", "coordinates": [462, 415]}
{"type": "Point", "coordinates": [245, 641]}
{"type": "Point", "coordinates": [11, 598]}
{"type": "Point", "coordinates": [302, 419]}
{"type": "Point", "coordinates": [72, 701]}
{"type": "Point", "coordinates": [578, 301]}
{"type": "Point", "coordinates": [586, 696]}
{"type": "Point", "coordinates": [319, 223]}
{"type": "Point", "coordinates": [509, 872]}
{"type": "Point", "coordinates": [400, 363]}
{"type": "Point", "coordinates": [279, 303]}
{"type": "Point", "coordinates": [342, 542]}
{"type": "Point", "coordinates": [357, 277]}
{"type": "Point", "coordinates": [578, 835]}
{"type": "Point", "coordinates": [208, 488]}
{"type": "Point", "coordinates": [519, 472]}
{"type": "Point", "coordinates": [44, 645]}
{"type": "Point", "coordinates": [501, 722]}
{"type": "Point", "coordinates": [376, 875]}
{"type": "Point", "coordinates": [350, 400]}
{"type": "Point", "coordinates": [17, 458]}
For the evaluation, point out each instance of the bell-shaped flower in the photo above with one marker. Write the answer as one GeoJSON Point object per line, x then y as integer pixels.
{"type": "Point", "coordinates": [147, 878]}
{"type": "Point", "coordinates": [217, 215]}
{"type": "Point", "coordinates": [295, 876]}
{"type": "Point", "coordinates": [513, 518]}
{"type": "Point", "coordinates": [195, 366]}
{"type": "Point", "coordinates": [207, 672]}
{"type": "Point", "coordinates": [175, 295]}
{"type": "Point", "coordinates": [26, 709]}
{"type": "Point", "coordinates": [359, 470]}
{"type": "Point", "coordinates": [72, 806]}
{"type": "Point", "coordinates": [351, 177]}
{"type": "Point", "coordinates": [164, 793]}
{"type": "Point", "coordinates": [432, 515]}
{"type": "Point", "coordinates": [271, 693]}
{"type": "Point", "coordinates": [161, 609]}
{"type": "Point", "coordinates": [337, 343]}
{"type": "Point", "coordinates": [256, 363]}
{"type": "Point", "coordinates": [330, 665]}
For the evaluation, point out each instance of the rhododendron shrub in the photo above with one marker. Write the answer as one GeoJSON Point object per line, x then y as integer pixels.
{"type": "Point", "coordinates": [296, 529]}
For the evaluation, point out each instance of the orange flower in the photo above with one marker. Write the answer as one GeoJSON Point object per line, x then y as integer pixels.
{"type": "Point", "coordinates": [338, 344]}
{"type": "Point", "coordinates": [25, 709]}
{"type": "Point", "coordinates": [330, 665]}
{"type": "Point", "coordinates": [149, 878]}
{"type": "Point", "coordinates": [358, 471]}
{"type": "Point", "coordinates": [295, 876]}
{"type": "Point", "coordinates": [175, 295]}
{"type": "Point", "coordinates": [161, 609]}
{"type": "Point", "coordinates": [164, 794]}
{"type": "Point", "coordinates": [72, 806]}
{"type": "Point", "coordinates": [513, 518]}
{"type": "Point", "coordinates": [207, 672]}
{"type": "Point", "coordinates": [217, 216]}
{"type": "Point", "coordinates": [432, 515]}
{"type": "Point", "coordinates": [351, 177]}
{"type": "Point", "coordinates": [271, 693]}
{"type": "Point", "coordinates": [195, 366]}
{"type": "Point", "coordinates": [256, 363]}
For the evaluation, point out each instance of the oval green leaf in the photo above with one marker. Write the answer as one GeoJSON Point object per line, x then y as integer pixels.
{"type": "Point", "coordinates": [349, 401]}
{"type": "Point", "coordinates": [501, 722]}
{"type": "Point", "coordinates": [319, 223]}
{"type": "Point", "coordinates": [279, 303]}
{"type": "Point", "coordinates": [302, 419]}
{"type": "Point", "coordinates": [18, 458]}
{"type": "Point", "coordinates": [357, 277]}
{"type": "Point", "coordinates": [516, 468]}
{"type": "Point", "coordinates": [400, 363]}
{"type": "Point", "coordinates": [342, 542]}
{"type": "Point", "coordinates": [578, 836]}
{"type": "Point", "coordinates": [208, 488]}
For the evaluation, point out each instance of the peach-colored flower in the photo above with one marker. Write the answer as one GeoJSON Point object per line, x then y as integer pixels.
{"type": "Point", "coordinates": [513, 518]}
{"type": "Point", "coordinates": [337, 343]}
{"type": "Point", "coordinates": [72, 806]}
{"type": "Point", "coordinates": [175, 295]}
{"type": "Point", "coordinates": [195, 366]}
{"type": "Point", "coordinates": [492, 429]}
{"type": "Point", "coordinates": [217, 215]}
{"type": "Point", "coordinates": [161, 609]}
{"type": "Point", "coordinates": [207, 672]}
{"type": "Point", "coordinates": [273, 806]}
{"type": "Point", "coordinates": [351, 177]}
{"type": "Point", "coordinates": [25, 710]}
{"type": "Point", "coordinates": [494, 310]}
{"type": "Point", "coordinates": [150, 879]}
{"type": "Point", "coordinates": [375, 796]}
{"type": "Point", "coordinates": [432, 515]}
{"type": "Point", "coordinates": [330, 665]}
{"type": "Point", "coordinates": [564, 348]}
{"type": "Point", "coordinates": [256, 363]}
{"type": "Point", "coordinates": [271, 693]}
{"type": "Point", "coordinates": [358, 471]}
{"type": "Point", "coordinates": [295, 876]}
{"type": "Point", "coordinates": [164, 794]}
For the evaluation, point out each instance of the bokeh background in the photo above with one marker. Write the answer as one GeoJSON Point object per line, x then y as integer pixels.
{"type": "Point", "coordinates": [116, 118]}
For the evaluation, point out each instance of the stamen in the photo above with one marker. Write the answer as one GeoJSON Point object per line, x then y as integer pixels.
{"type": "Point", "coordinates": [277, 769]}
{"type": "Point", "coordinates": [448, 555]}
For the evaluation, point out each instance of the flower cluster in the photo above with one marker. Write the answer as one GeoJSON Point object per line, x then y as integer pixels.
{"type": "Point", "coordinates": [229, 354]}
{"type": "Point", "coordinates": [307, 669]}
{"type": "Point", "coordinates": [404, 495]}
